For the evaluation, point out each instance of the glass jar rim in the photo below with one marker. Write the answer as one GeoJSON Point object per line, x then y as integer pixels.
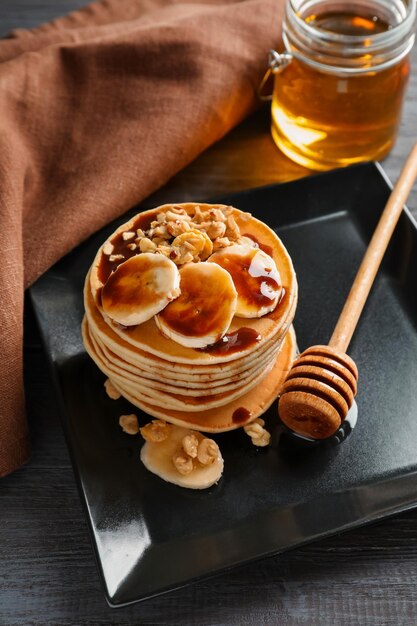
{"type": "Point", "coordinates": [398, 30]}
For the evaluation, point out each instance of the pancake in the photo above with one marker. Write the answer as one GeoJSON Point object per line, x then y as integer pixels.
{"type": "Point", "coordinates": [195, 387]}
{"type": "Point", "coordinates": [189, 384]}
{"type": "Point", "coordinates": [188, 402]}
{"type": "Point", "coordinates": [254, 403]}
{"type": "Point", "coordinates": [148, 338]}
{"type": "Point", "coordinates": [132, 361]}
{"type": "Point", "coordinates": [148, 360]}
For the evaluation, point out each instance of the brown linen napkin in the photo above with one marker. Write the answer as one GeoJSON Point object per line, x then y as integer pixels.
{"type": "Point", "coordinates": [98, 109]}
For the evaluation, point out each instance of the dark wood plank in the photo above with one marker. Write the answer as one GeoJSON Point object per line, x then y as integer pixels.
{"type": "Point", "coordinates": [47, 571]}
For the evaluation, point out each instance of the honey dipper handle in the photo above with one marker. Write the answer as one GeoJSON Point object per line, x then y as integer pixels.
{"type": "Point", "coordinates": [362, 284]}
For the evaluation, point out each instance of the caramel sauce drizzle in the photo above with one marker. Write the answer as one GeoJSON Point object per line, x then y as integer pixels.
{"type": "Point", "coordinates": [248, 287]}
{"type": "Point", "coordinates": [261, 246]}
{"type": "Point", "coordinates": [230, 343]}
{"type": "Point", "coordinates": [120, 246]}
{"type": "Point", "coordinates": [127, 287]}
{"type": "Point", "coordinates": [241, 415]}
{"type": "Point", "coordinates": [233, 342]}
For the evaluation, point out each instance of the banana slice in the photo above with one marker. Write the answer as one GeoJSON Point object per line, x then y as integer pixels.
{"type": "Point", "coordinates": [205, 308]}
{"type": "Point", "coordinates": [139, 288]}
{"type": "Point", "coordinates": [255, 276]}
{"type": "Point", "coordinates": [168, 459]}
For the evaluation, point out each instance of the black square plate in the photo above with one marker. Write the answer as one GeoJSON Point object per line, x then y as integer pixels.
{"type": "Point", "coordinates": [150, 536]}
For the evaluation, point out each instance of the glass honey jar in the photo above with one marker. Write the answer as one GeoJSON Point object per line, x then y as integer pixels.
{"type": "Point", "coordinates": [339, 84]}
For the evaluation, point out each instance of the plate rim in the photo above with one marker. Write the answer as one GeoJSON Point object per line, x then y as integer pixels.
{"type": "Point", "coordinates": [54, 366]}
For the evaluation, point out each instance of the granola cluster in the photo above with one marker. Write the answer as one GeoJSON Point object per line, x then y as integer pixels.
{"type": "Point", "coordinates": [182, 237]}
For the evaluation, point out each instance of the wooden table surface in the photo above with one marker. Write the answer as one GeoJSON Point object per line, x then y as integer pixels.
{"type": "Point", "coordinates": [47, 570]}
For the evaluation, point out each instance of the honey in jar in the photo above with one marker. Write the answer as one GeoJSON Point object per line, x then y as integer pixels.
{"type": "Point", "coordinates": [339, 87]}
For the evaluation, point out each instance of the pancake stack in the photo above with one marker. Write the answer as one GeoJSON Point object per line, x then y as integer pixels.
{"type": "Point", "coordinates": [155, 350]}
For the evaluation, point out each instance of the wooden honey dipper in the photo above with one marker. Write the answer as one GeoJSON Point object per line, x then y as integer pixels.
{"type": "Point", "coordinates": [319, 389]}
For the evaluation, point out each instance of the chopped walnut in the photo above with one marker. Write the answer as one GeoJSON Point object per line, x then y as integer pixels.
{"type": "Point", "coordinates": [116, 257]}
{"type": "Point", "coordinates": [217, 215]}
{"type": "Point", "coordinates": [111, 390]}
{"type": "Point", "coordinates": [158, 241]}
{"type": "Point", "coordinates": [132, 246]}
{"type": "Point", "coordinates": [146, 245]}
{"type": "Point", "coordinates": [263, 441]}
{"type": "Point", "coordinates": [181, 255]}
{"type": "Point", "coordinates": [190, 445]}
{"type": "Point", "coordinates": [128, 234]}
{"type": "Point", "coordinates": [156, 431]}
{"type": "Point", "coordinates": [108, 248]}
{"type": "Point", "coordinates": [194, 451]}
{"type": "Point", "coordinates": [129, 424]}
{"type": "Point", "coordinates": [198, 215]}
{"type": "Point", "coordinates": [211, 215]}
{"type": "Point", "coordinates": [232, 230]}
{"type": "Point", "coordinates": [179, 210]}
{"type": "Point", "coordinates": [178, 227]}
{"type": "Point", "coordinates": [161, 232]}
{"type": "Point", "coordinates": [176, 216]}
{"type": "Point", "coordinates": [140, 233]}
{"type": "Point", "coordinates": [208, 451]}
{"type": "Point", "coordinates": [195, 242]}
{"type": "Point", "coordinates": [213, 229]}
{"type": "Point", "coordinates": [183, 463]}
{"type": "Point", "coordinates": [256, 431]}
{"type": "Point", "coordinates": [165, 250]}
{"type": "Point", "coordinates": [221, 242]}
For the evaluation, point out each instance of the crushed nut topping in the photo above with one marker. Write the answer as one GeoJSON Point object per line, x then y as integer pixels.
{"type": "Point", "coordinates": [129, 424]}
{"type": "Point", "coordinates": [156, 431]}
{"type": "Point", "coordinates": [256, 431]}
{"type": "Point", "coordinates": [185, 238]}
{"type": "Point", "coordinates": [116, 257]}
{"type": "Point", "coordinates": [108, 248]}
{"type": "Point", "coordinates": [111, 390]}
